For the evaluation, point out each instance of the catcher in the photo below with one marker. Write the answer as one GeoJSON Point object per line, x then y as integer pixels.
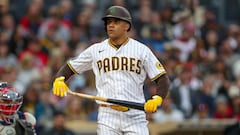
{"type": "Point", "coordinates": [13, 121]}
{"type": "Point", "coordinates": [120, 65]}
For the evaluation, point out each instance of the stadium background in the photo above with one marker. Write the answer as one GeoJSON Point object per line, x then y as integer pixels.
{"type": "Point", "coordinates": [198, 42]}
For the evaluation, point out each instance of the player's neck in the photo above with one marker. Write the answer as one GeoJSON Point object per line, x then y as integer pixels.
{"type": "Point", "coordinates": [118, 41]}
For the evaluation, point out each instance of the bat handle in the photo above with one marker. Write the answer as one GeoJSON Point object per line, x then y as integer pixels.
{"type": "Point", "coordinates": [138, 106]}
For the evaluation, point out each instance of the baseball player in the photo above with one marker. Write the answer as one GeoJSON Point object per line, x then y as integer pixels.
{"type": "Point", "coordinates": [13, 121]}
{"type": "Point", "coordinates": [120, 65]}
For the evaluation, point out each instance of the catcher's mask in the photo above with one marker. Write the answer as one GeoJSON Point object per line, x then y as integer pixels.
{"type": "Point", "coordinates": [118, 12]}
{"type": "Point", "coordinates": [10, 102]}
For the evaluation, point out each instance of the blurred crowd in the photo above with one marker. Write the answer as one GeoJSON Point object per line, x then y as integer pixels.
{"type": "Point", "coordinates": [200, 54]}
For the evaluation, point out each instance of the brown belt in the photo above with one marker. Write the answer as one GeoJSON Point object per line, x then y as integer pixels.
{"type": "Point", "coordinates": [116, 107]}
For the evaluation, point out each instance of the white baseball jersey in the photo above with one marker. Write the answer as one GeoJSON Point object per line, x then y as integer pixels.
{"type": "Point", "coordinates": [120, 74]}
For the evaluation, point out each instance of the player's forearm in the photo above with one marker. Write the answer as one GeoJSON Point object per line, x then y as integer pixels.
{"type": "Point", "coordinates": [65, 71]}
{"type": "Point", "coordinates": [163, 83]}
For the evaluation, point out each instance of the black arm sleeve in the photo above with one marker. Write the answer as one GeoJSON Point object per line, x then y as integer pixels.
{"type": "Point", "coordinates": [163, 83]}
{"type": "Point", "coordinates": [65, 71]}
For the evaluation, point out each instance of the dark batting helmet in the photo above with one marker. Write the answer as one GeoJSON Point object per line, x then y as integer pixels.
{"type": "Point", "coordinates": [119, 13]}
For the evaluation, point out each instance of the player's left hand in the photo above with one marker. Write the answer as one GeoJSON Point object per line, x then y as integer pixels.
{"type": "Point", "coordinates": [60, 88]}
{"type": "Point", "coordinates": [152, 104]}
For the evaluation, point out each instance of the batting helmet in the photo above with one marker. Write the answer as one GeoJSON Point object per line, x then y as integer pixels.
{"type": "Point", "coordinates": [10, 102]}
{"type": "Point", "coordinates": [119, 13]}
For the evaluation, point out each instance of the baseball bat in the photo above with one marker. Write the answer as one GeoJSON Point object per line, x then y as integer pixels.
{"type": "Point", "coordinates": [134, 105]}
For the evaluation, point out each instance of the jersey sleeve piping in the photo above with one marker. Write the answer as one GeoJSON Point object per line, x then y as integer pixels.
{"type": "Point", "coordinates": [156, 77]}
{"type": "Point", "coordinates": [70, 66]}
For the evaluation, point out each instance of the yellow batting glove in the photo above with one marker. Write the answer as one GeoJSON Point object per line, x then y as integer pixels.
{"type": "Point", "coordinates": [152, 104]}
{"type": "Point", "coordinates": [59, 87]}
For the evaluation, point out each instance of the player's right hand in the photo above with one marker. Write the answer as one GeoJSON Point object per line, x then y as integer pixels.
{"type": "Point", "coordinates": [60, 88]}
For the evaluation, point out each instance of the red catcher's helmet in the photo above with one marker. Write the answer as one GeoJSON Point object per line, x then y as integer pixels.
{"type": "Point", "coordinates": [10, 102]}
{"type": "Point", "coordinates": [119, 13]}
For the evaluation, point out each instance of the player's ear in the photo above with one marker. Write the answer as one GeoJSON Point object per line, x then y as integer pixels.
{"type": "Point", "coordinates": [127, 26]}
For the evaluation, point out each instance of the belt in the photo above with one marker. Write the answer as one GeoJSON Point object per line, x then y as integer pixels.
{"type": "Point", "coordinates": [116, 107]}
